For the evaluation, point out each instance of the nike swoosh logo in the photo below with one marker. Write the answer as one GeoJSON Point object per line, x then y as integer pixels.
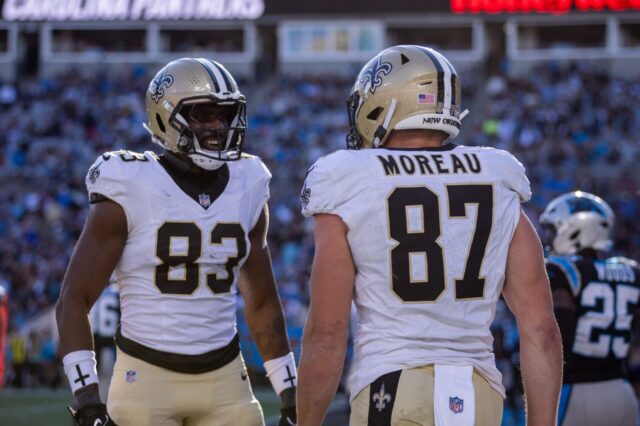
{"type": "Point", "coordinates": [98, 422]}
{"type": "Point", "coordinates": [290, 422]}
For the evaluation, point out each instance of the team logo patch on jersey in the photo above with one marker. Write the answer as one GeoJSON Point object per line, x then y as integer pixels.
{"type": "Point", "coordinates": [381, 398]}
{"type": "Point", "coordinates": [161, 82]}
{"type": "Point", "coordinates": [130, 376]}
{"type": "Point", "coordinates": [204, 200]}
{"type": "Point", "coordinates": [456, 404]}
{"type": "Point", "coordinates": [305, 196]}
{"type": "Point", "coordinates": [372, 76]}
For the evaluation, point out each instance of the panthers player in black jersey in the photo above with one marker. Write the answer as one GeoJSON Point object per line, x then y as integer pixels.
{"type": "Point", "coordinates": [183, 233]}
{"type": "Point", "coordinates": [596, 303]}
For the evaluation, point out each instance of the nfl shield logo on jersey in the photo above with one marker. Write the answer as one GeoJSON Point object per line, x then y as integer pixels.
{"type": "Point", "coordinates": [204, 199]}
{"type": "Point", "coordinates": [456, 404]}
{"type": "Point", "coordinates": [130, 376]}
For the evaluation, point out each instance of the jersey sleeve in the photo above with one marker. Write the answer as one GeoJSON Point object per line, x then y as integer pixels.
{"type": "Point", "coordinates": [110, 177]}
{"type": "Point", "coordinates": [261, 189]}
{"type": "Point", "coordinates": [514, 175]}
{"type": "Point", "coordinates": [325, 190]}
{"type": "Point", "coordinates": [563, 274]}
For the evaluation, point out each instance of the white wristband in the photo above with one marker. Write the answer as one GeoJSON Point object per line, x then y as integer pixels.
{"type": "Point", "coordinates": [80, 368]}
{"type": "Point", "coordinates": [282, 372]}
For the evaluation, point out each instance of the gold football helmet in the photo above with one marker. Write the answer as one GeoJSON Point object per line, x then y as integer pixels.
{"type": "Point", "coordinates": [403, 87]}
{"type": "Point", "coordinates": [177, 89]}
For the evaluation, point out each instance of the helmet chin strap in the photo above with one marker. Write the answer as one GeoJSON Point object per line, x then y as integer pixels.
{"type": "Point", "coordinates": [188, 163]}
{"type": "Point", "coordinates": [205, 163]}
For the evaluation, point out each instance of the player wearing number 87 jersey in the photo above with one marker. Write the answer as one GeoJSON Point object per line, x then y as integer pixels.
{"type": "Point", "coordinates": [182, 232]}
{"type": "Point", "coordinates": [421, 234]}
{"type": "Point", "coordinates": [596, 300]}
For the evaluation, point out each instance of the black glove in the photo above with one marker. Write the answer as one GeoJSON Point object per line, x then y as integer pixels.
{"type": "Point", "coordinates": [92, 415]}
{"type": "Point", "coordinates": [288, 416]}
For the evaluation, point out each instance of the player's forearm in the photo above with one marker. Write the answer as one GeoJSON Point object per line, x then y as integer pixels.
{"type": "Point", "coordinates": [74, 329]}
{"type": "Point", "coordinates": [267, 326]}
{"type": "Point", "coordinates": [541, 363]}
{"type": "Point", "coordinates": [321, 365]}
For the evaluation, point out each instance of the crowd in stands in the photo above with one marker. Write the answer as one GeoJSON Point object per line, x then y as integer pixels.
{"type": "Point", "coordinates": [574, 127]}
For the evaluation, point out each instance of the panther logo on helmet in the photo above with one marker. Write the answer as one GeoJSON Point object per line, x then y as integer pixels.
{"type": "Point", "coordinates": [161, 82]}
{"type": "Point", "coordinates": [374, 73]}
{"type": "Point", "coordinates": [579, 221]}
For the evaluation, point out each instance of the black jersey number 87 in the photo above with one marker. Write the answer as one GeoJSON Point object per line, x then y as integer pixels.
{"type": "Point", "coordinates": [193, 236]}
{"type": "Point", "coordinates": [424, 241]}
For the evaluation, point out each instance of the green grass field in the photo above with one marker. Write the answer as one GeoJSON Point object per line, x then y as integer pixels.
{"type": "Point", "coordinates": [46, 407]}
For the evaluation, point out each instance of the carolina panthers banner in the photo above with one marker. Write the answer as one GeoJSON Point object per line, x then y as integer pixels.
{"type": "Point", "coordinates": [96, 10]}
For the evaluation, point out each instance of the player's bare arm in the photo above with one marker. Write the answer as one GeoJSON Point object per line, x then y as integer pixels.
{"type": "Point", "coordinates": [96, 254]}
{"type": "Point", "coordinates": [325, 333]}
{"type": "Point", "coordinates": [257, 284]}
{"type": "Point", "coordinates": [528, 295]}
{"type": "Point", "coordinates": [262, 307]}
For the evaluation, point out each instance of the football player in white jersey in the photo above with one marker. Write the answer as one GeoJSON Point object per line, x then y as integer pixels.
{"type": "Point", "coordinates": [424, 236]}
{"type": "Point", "coordinates": [182, 232]}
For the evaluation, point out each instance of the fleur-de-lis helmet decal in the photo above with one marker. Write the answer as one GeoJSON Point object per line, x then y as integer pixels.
{"type": "Point", "coordinates": [160, 82]}
{"type": "Point", "coordinates": [371, 77]}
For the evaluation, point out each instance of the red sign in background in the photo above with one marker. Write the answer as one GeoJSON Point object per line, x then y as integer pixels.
{"type": "Point", "coordinates": [542, 6]}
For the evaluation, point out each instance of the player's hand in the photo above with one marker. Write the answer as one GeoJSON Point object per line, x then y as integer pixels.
{"type": "Point", "coordinates": [288, 416]}
{"type": "Point", "coordinates": [92, 415]}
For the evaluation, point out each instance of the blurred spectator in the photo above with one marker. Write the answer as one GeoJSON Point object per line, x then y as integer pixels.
{"type": "Point", "coordinates": [4, 317]}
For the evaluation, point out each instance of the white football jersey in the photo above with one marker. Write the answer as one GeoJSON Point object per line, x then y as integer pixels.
{"type": "Point", "coordinates": [178, 273]}
{"type": "Point", "coordinates": [429, 232]}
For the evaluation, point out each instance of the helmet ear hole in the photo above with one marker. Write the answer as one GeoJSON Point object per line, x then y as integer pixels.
{"type": "Point", "coordinates": [375, 113]}
{"type": "Point", "coordinates": [160, 123]}
{"type": "Point", "coordinates": [574, 235]}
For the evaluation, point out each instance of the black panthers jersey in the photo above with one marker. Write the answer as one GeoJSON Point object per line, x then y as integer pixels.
{"type": "Point", "coordinates": [606, 294]}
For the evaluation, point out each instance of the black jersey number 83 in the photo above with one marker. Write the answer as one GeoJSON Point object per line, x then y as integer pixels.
{"type": "Point", "coordinates": [188, 258]}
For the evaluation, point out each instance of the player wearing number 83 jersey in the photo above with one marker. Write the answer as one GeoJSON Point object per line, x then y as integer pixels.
{"type": "Point", "coordinates": [182, 232]}
{"type": "Point", "coordinates": [182, 256]}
